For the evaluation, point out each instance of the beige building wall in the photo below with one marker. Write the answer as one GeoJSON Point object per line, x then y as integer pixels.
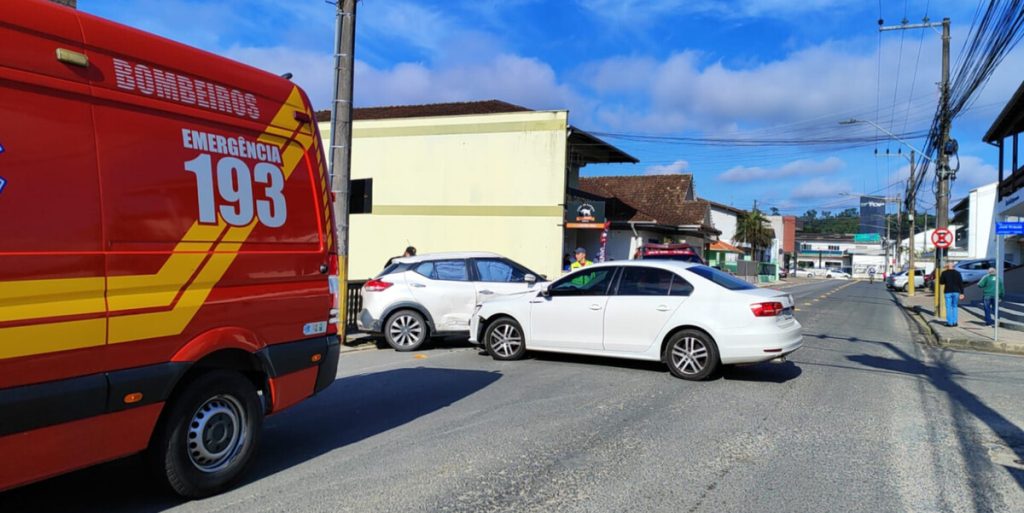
{"type": "Point", "coordinates": [493, 182]}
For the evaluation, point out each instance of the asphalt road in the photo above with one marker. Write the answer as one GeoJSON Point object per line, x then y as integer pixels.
{"type": "Point", "coordinates": [863, 418]}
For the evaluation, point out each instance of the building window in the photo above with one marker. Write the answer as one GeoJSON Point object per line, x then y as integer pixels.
{"type": "Point", "coordinates": [833, 247]}
{"type": "Point", "coordinates": [360, 193]}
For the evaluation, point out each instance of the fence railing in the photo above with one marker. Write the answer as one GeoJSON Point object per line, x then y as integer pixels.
{"type": "Point", "coordinates": [353, 305]}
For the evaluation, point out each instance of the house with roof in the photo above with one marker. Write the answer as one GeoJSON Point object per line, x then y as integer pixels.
{"type": "Point", "coordinates": [659, 208]}
{"type": "Point", "coordinates": [483, 175]}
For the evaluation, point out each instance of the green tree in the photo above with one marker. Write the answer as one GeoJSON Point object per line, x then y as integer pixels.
{"type": "Point", "coordinates": [752, 228]}
{"type": "Point", "coordinates": [775, 211]}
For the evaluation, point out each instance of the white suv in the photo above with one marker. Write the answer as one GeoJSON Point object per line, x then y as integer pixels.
{"type": "Point", "coordinates": [417, 297]}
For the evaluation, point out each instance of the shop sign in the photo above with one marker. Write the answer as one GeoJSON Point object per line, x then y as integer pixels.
{"type": "Point", "coordinates": [584, 214]}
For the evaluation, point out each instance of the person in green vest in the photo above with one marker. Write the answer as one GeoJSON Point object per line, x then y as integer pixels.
{"type": "Point", "coordinates": [581, 262]}
{"type": "Point", "coordinates": [988, 292]}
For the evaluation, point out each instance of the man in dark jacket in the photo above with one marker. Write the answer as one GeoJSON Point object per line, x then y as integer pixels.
{"type": "Point", "coordinates": [953, 287]}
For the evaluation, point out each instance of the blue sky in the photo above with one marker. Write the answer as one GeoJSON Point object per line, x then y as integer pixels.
{"type": "Point", "coordinates": [692, 68]}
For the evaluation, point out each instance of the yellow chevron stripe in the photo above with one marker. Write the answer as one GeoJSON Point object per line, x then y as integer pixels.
{"type": "Point", "coordinates": [28, 299]}
{"type": "Point", "coordinates": [52, 337]}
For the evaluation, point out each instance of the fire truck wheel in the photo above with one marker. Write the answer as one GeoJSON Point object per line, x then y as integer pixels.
{"type": "Point", "coordinates": [208, 434]}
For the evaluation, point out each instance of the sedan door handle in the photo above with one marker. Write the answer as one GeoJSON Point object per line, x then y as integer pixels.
{"type": "Point", "coordinates": [595, 307]}
{"type": "Point", "coordinates": [487, 292]}
{"type": "Point", "coordinates": [419, 285]}
{"type": "Point", "coordinates": [662, 308]}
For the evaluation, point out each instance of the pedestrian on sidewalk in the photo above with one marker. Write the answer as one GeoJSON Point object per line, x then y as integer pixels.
{"type": "Point", "coordinates": [410, 251]}
{"type": "Point", "coordinates": [953, 285]}
{"type": "Point", "coordinates": [988, 293]}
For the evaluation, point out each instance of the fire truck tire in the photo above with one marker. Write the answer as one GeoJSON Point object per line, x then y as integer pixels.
{"type": "Point", "coordinates": [208, 434]}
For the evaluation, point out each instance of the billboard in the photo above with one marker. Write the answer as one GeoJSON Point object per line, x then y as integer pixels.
{"type": "Point", "coordinates": [872, 214]}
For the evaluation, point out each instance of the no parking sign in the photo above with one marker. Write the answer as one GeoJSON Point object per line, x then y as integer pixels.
{"type": "Point", "coordinates": [942, 238]}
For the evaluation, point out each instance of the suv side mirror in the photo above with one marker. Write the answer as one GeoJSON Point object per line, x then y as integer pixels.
{"type": "Point", "coordinates": [529, 278]}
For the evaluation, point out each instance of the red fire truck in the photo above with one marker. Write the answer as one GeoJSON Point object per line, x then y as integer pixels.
{"type": "Point", "coordinates": [168, 274]}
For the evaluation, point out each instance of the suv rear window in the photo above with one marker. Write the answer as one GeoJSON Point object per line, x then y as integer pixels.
{"type": "Point", "coordinates": [395, 268]}
{"type": "Point", "coordinates": [720, 278]}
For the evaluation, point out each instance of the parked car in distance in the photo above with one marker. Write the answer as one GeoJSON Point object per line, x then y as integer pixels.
{"type": "Point", "coordinates": [901, 281]}
{"type": "Point", "coordinates": [428, 295]}
{"type": "Point", "coordinates": [691, 317]}
{"type": "Point", "coordinates": [929, 280]}
{"type": "Point", "coordinates": [974, 270]}
{"type": "Point", "coordinates": [837, 273]}
{"type": "Point", "coordinates": [808, 272]}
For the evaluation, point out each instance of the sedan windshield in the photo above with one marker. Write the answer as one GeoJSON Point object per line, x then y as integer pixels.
{"type": "Point", "coordinates": [720, 278]}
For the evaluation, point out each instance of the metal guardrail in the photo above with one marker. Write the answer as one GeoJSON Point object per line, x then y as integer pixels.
{"type": "Point", "coordinates": [353, 305]}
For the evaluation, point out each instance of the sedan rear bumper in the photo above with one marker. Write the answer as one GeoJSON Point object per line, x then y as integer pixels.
{"type": "Point", "coordinates": [751, 347]}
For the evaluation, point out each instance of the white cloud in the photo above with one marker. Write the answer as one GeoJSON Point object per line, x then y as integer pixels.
{"type": "Point", "coordinates": [312, 71]}
{"type": "Point", "coordinates": [675, 168]}
{"type": "Point", "coordinates": [802, 167]}
{"type": "Point", "coordinates": [520, 80]}
{"type": "Point", "coordinates": [819, 188]}
{"type": "Point", "coordinates": [427, 29]}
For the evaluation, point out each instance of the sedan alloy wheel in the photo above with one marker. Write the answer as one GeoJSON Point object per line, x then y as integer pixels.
{"type": "Point", "coordinates": [504, 340]}
{"type": "Point", "coordinates": [691, 355]}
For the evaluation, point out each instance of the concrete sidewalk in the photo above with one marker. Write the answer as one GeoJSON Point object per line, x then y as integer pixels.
{"type": "Point", "coordinates": [358, 341]}
{"type": "Point", "coordinates": [970, 334]}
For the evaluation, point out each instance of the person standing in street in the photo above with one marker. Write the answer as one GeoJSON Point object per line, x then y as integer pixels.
{"type": "Point", "coordinates": [989, 294]}
{"type": "Point", "coordinates": [953, 286]}
{"type": "Point", "coordinates": [581, 260]}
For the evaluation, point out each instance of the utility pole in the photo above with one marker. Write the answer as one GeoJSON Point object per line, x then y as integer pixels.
{"type": "Point", "coordinates": [911, 196]}
{"type": "Point", "coordinates": [942, 165]}
{"type": "Point", "coordinates": [942, 172]}
{"type": "Point", "coordinates": [341, 122]}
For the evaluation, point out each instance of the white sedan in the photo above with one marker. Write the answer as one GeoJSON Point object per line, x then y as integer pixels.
{"type": "Point", "coordinates": [692, 317]}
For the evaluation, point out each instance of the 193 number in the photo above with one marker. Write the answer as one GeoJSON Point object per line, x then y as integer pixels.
{"type": "Point", "coordinates": [237, 204]}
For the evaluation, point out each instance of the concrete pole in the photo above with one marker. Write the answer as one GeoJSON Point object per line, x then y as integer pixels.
{"type": "Point", "coordinates": [942, 167]}
{"type": "Point", "coordinates": [913, 213]}
{"type": "Point", "coordinates": [341, 120]}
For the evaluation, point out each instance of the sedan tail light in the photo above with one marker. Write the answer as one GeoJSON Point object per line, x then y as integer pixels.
{"type": "Point", "coordinates": [376, 286]}
{"type": "Point", "coordinates": [769, 309]}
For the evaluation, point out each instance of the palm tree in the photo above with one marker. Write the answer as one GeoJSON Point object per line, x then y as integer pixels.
{"type": "Point", "coordinates": [752, 228]}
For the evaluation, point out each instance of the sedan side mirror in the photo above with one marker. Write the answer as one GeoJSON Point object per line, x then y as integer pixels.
{"type": "Point", "coordinates": [529, 278]}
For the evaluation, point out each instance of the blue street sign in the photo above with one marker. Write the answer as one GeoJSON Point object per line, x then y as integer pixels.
{"type": "Point", "coordinates": [1010, 228]}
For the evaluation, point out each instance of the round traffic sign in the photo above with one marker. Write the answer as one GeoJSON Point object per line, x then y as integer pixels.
{"type": "Point", "coordinates": [942, 238]}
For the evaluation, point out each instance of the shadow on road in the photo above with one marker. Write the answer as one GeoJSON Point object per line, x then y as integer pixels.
{"type": "Point", "coordinates": [965, 404]}
{"type": "Point", "coordinates": [762, 372]}
{"type": "Point", "coordinates": [352, 409]}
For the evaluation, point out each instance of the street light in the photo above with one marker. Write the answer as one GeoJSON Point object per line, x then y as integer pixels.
{"type": "Point", "coordinates": [891, 135]}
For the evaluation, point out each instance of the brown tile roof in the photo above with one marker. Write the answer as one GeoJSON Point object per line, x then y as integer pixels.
{"type": "Point", "coordinates": [428, 110]}
{"type": "Point", "coordinates": [647, 198]}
